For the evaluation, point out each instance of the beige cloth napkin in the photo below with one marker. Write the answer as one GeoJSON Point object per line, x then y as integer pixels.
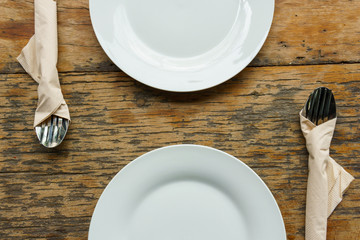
{"type": "Point", "coordinates": [39, 59]}
{"type": "Point", "coordinates": [327, 180]}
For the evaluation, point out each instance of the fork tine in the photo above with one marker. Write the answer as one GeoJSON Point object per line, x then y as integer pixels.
{"type": "Point", "coordinates": [320, 102]}
{"type": "Point", "coordinates": [314, 105]}
{"type": "Point", "coordinates": [308, 106]}
{"type": "Point", "coordinates": [318, 105]}
{"type": "Point", "coordinates": [43, 125]}
{"type": "Point", "coordinates": [58, 124]}
{"type": "Point", "coordinates": [45, 133]}
{"type": "Point", "coordinates": [327, 106]}
{"type": "Point", "coordinates": [51, 130]}
{"type": "Point", "coordinates": [61, 128]}
{"type": "Point", "coordinates": [323, 103]}
{"type": "Point", "coordinates": [55, 131]}
{"type": "Point", "coordinates": [332, 110]}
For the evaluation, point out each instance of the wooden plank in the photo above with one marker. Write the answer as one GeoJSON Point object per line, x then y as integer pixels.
{"type": "Point", "coordinates": [305, 32]}
{"type": "Point", "coordinates": [51, 193]}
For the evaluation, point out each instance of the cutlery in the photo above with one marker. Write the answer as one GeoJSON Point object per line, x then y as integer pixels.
{"type": "Point", "coordinates": [320, 106]}
{"type": "Point", "coordinates": [52, 131]}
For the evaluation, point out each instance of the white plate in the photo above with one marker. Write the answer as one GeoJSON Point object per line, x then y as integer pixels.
{"type": "Point", "coordinates": [181, 45]}
{"type": "Point", "coordinates": [186, 192]}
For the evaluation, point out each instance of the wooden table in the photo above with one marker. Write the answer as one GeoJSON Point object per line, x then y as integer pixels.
{"type": "Point", "coordinates": [51, 193]}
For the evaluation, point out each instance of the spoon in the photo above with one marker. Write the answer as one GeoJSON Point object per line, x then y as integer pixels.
{"type": "Point", "coordinates": [52, 131]}
{"type": "Point", "coordinates": [320, 106]}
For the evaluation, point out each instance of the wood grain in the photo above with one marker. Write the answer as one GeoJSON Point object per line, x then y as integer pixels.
{"type": "Point", "coordinates": [303, 32]}
{"type": "Point", "coordinates": [51, 193]}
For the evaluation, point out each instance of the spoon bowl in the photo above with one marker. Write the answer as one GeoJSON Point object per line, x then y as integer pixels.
{"type": "Point", "coordinates": [52, 131]}
{"type": "Point", "coordinates": [320, 106]}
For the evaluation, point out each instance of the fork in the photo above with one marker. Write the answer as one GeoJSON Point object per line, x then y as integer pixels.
{"type": "Point", "coordinates": [320, 106]}
{"type": "Point", "coordinates": [52, 131]}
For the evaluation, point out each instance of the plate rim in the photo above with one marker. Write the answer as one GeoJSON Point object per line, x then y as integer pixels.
{"type": "Point", "coordinates": [124, 69]}
{"type": "Point", "coordinates": [138, 159]}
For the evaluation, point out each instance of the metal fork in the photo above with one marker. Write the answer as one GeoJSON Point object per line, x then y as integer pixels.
{"type": "Point", "coordinates": [320, 106]}
{"type": "Point", "coordinates": [52, 131]}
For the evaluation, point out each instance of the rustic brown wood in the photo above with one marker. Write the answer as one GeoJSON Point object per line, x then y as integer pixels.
{"type": "Point", "coordinates": [51, 193]}
{"type": "Point", "coordinates": [303, 32]}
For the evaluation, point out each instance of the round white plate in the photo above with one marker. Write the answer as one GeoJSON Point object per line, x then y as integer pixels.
{"type": "Point", "coordinates": [186, 192]}
{"type": "Point", "coordinates": [181, 45]}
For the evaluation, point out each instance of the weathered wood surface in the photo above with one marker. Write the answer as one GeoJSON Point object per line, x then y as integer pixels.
{"type": "Point", "coordinates": [303, 32]}
{"type": "Point", "coordinates": [51, 194]}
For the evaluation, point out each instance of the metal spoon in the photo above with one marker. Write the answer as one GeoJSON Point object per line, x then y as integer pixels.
{"type": "Point", "coordinates": [52, 131]}
{"type": "Point", "coordinates": [320, 106]}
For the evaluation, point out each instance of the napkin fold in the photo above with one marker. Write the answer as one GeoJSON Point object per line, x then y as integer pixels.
{"type": "Point", "coordinates": [327, 180]}
{"type": "Point", "coordinates": [39, 59]}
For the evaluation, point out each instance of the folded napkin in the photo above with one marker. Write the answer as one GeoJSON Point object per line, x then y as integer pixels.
{"type": "Point", "coordinates": [39, 59]}
{"type": "Point", "coordinates": [327, 180]}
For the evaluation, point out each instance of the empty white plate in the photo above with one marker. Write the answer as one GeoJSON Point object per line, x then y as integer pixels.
{"type": "Point", "coordinates": [181, 45]}
{"type": "Point", "coordinates": [186, 192]}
